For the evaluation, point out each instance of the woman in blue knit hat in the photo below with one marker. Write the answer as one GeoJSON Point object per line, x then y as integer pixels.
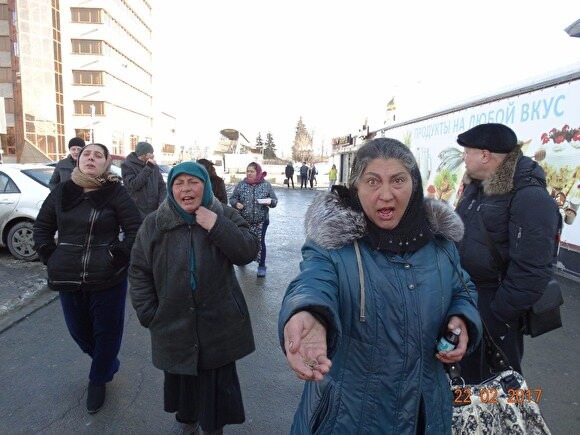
{"type": "Point", "coordinates": [185, 291]}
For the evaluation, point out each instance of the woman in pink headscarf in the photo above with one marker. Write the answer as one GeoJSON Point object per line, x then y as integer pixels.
{"type": "Point", "coordinates": [253, 197]}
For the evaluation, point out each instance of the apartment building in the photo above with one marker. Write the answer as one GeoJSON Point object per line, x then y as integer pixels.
{"type": "Point", "coordinates": [75, 68]}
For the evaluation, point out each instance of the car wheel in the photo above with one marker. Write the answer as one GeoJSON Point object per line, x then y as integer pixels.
{"type": "Point", "coordinates": [20, 242]}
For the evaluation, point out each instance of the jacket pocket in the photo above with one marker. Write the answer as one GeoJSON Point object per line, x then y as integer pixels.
{"type": "Point", "coordinates": [99, 264]}
{"type": "Point", "coordinates": [64, 265]}
{"type": "Point", "coordinates": [318, 399]}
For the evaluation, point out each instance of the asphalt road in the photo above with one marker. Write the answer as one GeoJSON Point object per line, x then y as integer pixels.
{"type": "Point", "coordinates": [43, 374]}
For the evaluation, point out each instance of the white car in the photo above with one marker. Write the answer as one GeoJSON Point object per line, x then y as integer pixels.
{"type": "Point", "coordinates": [23, 189]}
{"type": "Point", "coordinates": [164, 169]}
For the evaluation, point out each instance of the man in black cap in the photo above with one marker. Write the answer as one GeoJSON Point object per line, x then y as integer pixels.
{"type": "Point", "coordinates": [64, 167]}
{"type": "Point", "coordinates": [142, 179]}
{"type": "Point", "coordinates": [510, 240]}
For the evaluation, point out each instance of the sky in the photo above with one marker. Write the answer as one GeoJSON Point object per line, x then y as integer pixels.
{"type": "Point", "coordinates": [258, 66]}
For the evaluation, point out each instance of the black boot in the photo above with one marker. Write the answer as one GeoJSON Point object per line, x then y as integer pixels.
{"type": "Point", "coordinates": [95, 397]}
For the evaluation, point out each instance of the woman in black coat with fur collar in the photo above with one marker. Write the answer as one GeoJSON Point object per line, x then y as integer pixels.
{"type": "Point", "coordinates": [88, 265]}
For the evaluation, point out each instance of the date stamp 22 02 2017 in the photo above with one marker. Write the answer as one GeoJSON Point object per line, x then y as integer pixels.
{"type": "Point", "coordinates": [491, 395]}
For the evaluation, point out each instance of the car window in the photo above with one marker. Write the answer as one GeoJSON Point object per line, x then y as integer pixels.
{"type": "Point", "coordinates": [7, 185]}
{"type": "Point", "coordinates": [41, 175]}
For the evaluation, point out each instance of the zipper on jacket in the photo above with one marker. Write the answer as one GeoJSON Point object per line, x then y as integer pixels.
{"type": "Point", "coordinates": [519, 236]}
{"type": "Point", "coordinates": [471, 204]}
{"type": "Point", "coordinates": [87, 255]}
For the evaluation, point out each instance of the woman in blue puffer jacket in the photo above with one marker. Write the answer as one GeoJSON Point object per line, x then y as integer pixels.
{"type": "Point", "coordinates": [253, 197]}
{"type": "Point", "coordinates": [380, 281]}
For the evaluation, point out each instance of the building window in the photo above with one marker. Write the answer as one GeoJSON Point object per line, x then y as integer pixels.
{"type": "Point", "coordinates": [133, 141]}
{"type": "Point", "coordinates": [87, 46]}
{"type": "Point", "coordinates": [5, 43]}
{"type": "Point", "coordinates": [9, 105]}
{"type": "Point", "coordinates": [84, 107]}
{"type": "Point", "coordinates": [85, 133]}
{"type": "Point", "coordinates": [5, 75]}
{"type": "Point", "coordinates": [168, 149]}
{"type": "Point", "coordinates": [88, 77]}
{"type": "Point", "coordinates": [4, 13]}
{"type": "Point", "coordinates": [86, 15]}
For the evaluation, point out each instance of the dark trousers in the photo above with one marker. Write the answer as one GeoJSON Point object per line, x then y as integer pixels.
{"type": "Point", "coordinates": [262, 261]}
{"type": "Point", "coordinates": [474, 367]}
{"type": "Point", "coordinates": [303, 181]}
{"type": "Point", "coordinates": [290, 180]}
{"type": "Point", "coordinates": [312, 183]}
{"type": "Point", "coordinates": [95, 321]}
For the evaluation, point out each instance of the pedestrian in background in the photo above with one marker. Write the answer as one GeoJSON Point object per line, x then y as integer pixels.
{"type": "Point", "coordinates": [289, 172]}
{"type": "Point", "coordinates": [142, 179]}
{"type": "Point", "coordinates": [311, 175]}
{"type": "Point", "coordinates": [64, 168]}
{"type": "Point", "coordinates": [185, 291]}
{"type": "Point", "coordinates": [332, 177]}
{"type": "Point", "coordinates": [253, 197]}
{"type": "Point", "coordinates": [504, 204]}
{"type": "Point", "coordinates": [303, 176]}
{"type": "Point", "coordinates": [217, 183]}
{"type": "Point", "coordinates": [88, 265]}
{"type": "Point", "coordinates": [378, 285]}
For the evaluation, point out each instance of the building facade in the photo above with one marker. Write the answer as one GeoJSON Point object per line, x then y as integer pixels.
{"type": "Point", "coordinates": [75, 68]}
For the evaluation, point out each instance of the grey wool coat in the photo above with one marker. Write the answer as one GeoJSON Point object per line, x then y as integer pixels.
{"type": "Point", "coordinates": [144, 183]}
{"type": "Point", "coordinates": [382, 337]}
{"type": "Point", "coordinates": [192, 329]}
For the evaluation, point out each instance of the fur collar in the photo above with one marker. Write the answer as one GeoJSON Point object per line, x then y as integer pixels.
{"type": "Point", "coordinates": [332, 225]}
{"type": "Point", "coordinates": [168, 219]}
{"type": "Point", "coordinates": [502, 180]}
{"type": "Point", "coordinates": [73, 194]}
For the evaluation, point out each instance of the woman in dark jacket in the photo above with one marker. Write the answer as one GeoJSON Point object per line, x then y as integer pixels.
{"type": "Point", "coordinates": [88, 264]}
{"type": "Point", "coordinates": [184, 289]}
{"type": "Point", "coordinates": [218, 185]}
{"type": "Point", "coordinates": [380, 281]}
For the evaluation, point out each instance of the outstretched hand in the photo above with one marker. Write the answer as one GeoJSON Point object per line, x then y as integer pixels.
{"type": "Point", "coordinates": [456, 354]}
{"type": "Point", "coordinates": [305, 345]}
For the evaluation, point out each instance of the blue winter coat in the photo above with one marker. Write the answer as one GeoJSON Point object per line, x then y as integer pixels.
{"type": "Point", "coordinates": [248, 194]}
{"type": "Point", "coordinates": [384, 365]}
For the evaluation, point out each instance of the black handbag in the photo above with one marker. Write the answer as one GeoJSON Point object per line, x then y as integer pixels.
{"type": "Point", "coordinates": [544, 316]}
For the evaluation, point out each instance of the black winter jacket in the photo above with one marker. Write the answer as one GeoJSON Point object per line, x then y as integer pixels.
{"type": "Point", "coordinates": [89, 255]}
{"type": "Point", "coordinates": [524, 233]}
{"type": "Point", "coordinates": [62, 171]}
{"type": "Point", "coordinates": [204, 328]}
{"type": "Point", "coordinates": [144, 183]}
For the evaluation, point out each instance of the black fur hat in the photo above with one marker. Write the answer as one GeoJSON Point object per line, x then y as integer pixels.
{"type": "Point", "coordinates": [497, 138]}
